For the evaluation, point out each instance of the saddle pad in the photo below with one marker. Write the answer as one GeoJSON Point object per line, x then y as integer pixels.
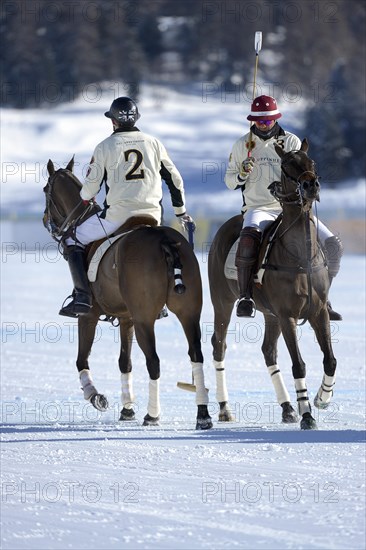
{"type": "Point", "coordinates": [98, 255]}
{"type": "Point", "coordinates": [230, 269]}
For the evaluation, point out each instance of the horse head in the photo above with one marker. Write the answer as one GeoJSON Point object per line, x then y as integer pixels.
{"type": "Point", "coordinates": [299, 182]}
{"type": "Point", "coordinates": [63, 202]}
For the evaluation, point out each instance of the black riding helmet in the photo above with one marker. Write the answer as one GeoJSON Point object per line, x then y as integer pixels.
{"type": "Point", "coordinates": [124, 111]}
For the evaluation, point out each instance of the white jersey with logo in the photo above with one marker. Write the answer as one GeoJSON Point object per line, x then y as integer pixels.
{"type": "Point", "coordinates": [132, 165]}
{"type": "Point", "coordinates": [267, 168]}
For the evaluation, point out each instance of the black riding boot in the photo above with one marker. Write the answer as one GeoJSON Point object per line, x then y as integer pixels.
{"type": "Point", "coordinates": [82, 297]}
{"type": "Point", "coordinates": [334, 251]}
{"type": "Point", "coordinates": [245, 261]}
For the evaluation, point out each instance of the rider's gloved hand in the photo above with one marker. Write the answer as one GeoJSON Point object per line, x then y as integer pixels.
{"type": "Point", "coordinates": [185, 220]}
{"type": "Point", "coordinates": [246, 167]}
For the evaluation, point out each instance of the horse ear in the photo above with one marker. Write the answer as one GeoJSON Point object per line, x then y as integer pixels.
{"type": "Point", "coordinates": [304, 145]}
{"type": "Point", "coordinates": [70, 166]}
{"type": "Point", "coordinates": [50, 167]}
{"type": "Point", "coordinates": [280, 152]}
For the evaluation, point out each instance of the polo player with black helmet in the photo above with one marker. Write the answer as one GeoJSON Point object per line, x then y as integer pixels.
{"type": "Point", "coordinates": [253, 175]}
{"type": "Point", "coordinates": [131, 164]}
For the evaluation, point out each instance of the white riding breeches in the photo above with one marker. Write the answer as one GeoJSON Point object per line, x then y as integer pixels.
{"type": "Point", "coordinates": [259, 219]}
{"type": "Point", "coordinates": [92, 229]}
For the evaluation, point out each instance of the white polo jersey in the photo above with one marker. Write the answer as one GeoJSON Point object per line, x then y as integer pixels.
{"type": "Point", "coordinates": [266, 169]}
{"type": "Point", "coordinates": [132, 165]}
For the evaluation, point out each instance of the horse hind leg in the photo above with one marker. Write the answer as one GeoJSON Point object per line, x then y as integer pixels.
{"type": "Point", "coordinates": [146, 340]}
{"type": "Point", "coordinates": [125, 367]}
{"type": "Point", "coordinates": [191, 327]}
{"type": "Point", "coordinates": [269, 350]}
{"type": "Point", "coordinates": [204, 421]}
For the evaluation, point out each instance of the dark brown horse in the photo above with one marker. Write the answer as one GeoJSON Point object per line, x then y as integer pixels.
{"type": "Point", "coordinates": [135, 278]}
{"type": "Point", "coordinates": [294, 286]}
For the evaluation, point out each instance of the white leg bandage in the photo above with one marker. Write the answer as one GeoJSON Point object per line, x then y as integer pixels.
{"type": "Point", "coordinates": [87, 384]}
{"type": "Point", "coordinates": [302, 396]}
{"type": "Point", "coordinates": [221, 389]}
{"type": "Point", "coordinates": [199, 380]}
{"type": "Point", "coordinates": [153, 406]}
{"type": "Point", "coordinates": [326, 389]}
{"type": "Point", "coordinates": [127, 390]}
{"type": "Point", "coordinates": [281, 391]}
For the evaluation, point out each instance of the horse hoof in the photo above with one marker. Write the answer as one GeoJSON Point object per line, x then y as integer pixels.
{"type": "Point", "coordinates": [99, 401]}
{"type": "Point", "coordinates": [151, 421]}
{"type": "Point", "coordinates": [319, 404]}
{"type": "Point", "coordinates": [289, 415]}
{"type": "Point", "coordinates": [127, 414]}
{"type": "Point", "coordinates": [308, 422]}
{"type": "Point", "coordinates": [204, 423]}
{"type": "Point", "coordinates": [225, 413]}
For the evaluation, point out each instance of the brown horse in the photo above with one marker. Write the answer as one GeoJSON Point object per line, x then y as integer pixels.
{"type": "Point", "coordinates": [137, 275]}
{"type": "Point", "coordinates": [294, 286]}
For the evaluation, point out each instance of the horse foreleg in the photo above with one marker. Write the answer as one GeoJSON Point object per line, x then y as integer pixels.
{"type": "Point", "coordinates": [146, 340]}
{"type": "Point", "coordinates": [288, 326]}
{"type": "Point", "coordinates": [322, 331]}
{"type": "Point", "coordinates": [269, 349]}
{"type": "Point", "coordinates": [218, 341]}
{"type": "Point", "coordinates": [125, 366]}
{"type": "Point", "coordinates": [86, 332]}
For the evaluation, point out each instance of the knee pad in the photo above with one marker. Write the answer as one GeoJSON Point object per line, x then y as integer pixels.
{"type": "Point", "coordinates": [334, 252]}
{"type": "Point", "coordinates": [248, 247]}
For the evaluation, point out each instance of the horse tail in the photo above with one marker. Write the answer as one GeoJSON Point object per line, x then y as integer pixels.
{"type": "Point", "coordinates": [170, 249]}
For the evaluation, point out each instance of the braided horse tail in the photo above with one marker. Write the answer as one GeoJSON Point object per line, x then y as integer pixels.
{"type": "Point", "coordinates": [171, 251]}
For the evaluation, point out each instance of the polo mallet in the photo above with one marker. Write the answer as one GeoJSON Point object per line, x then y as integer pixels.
{"type": "Point", "coordinates": [186, 385]}
{"type": "Point", "coordinates": [257, 47]}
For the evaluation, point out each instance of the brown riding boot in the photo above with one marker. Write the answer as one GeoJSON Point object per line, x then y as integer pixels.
{"type": "Point", "coordinates": [245, 261]}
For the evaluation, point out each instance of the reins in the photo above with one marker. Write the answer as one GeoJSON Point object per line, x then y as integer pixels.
{"type": "Point", "coordinates": [59, 233]}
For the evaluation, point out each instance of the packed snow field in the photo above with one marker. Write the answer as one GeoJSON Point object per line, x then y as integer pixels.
{"type": "Point", "coordinates": [76, 478]}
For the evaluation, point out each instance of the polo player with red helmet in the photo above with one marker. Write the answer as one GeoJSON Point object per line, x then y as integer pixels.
{"type": "Point", "coordinates": [253, 166]}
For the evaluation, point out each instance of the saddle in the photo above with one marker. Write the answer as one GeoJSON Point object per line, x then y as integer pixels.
{"type": "Point", "coordinates": [97, 249]}
{"type": "Point", "coordinates": [270, 231]}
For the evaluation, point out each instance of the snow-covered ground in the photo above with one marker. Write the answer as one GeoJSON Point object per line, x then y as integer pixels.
{"type": "Point", "coordinates": [76, 478]}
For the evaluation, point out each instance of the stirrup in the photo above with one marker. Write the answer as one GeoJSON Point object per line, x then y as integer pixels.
{"type": "Point", "coordinates": [67, 311]}
{"type": "Point", "coordinates": [246, 308]}
{"type": "Point", "coordinates": [109, 319]}
{"type": "Point", "coordinates": [82, 308]}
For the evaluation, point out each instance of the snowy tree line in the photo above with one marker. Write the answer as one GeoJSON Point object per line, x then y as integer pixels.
{"type": "Point", "coordinates": [313, 49]}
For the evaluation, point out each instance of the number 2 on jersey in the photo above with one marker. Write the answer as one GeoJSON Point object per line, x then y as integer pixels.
{"type": "Point", "coordinates": [132, 174]}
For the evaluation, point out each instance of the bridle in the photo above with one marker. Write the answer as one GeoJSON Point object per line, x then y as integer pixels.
{"type": "Point", "coordinates": [71, 220]}
{"type": "Point", "coordinates": [295, 197]}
